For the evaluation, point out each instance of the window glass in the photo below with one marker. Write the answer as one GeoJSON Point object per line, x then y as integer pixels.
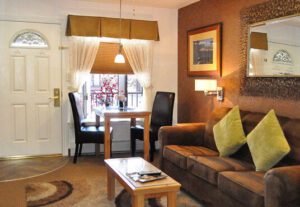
{"type": "Point", "coordinates": [105, 87]}
{"type": "Point", "coordinates": [134, 92]}
{"type": "Point", "coordinates": [29, 39]}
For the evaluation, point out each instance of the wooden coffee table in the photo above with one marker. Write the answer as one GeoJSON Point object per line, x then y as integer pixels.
{"type": "Point", "coordinates": [120, 167]}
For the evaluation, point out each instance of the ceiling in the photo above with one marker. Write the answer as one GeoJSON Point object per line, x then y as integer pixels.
{"type": "Point", "coordinates": [152, 3]}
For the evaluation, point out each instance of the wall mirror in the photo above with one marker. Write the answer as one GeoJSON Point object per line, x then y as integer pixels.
{"type": "Point", "coordinates": [274, 48]}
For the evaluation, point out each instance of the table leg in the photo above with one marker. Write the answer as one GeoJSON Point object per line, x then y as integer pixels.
{"type": "Point", "coordinates": [172, 199]}
{"type": "Point", "coordinates": [138, 201]}
{"type": "Point", "coordinates": [110, 185]}
{"type": "Point", "coordinates": [146, 138]}
{"type": "Point", "coordinates": [107, 138]}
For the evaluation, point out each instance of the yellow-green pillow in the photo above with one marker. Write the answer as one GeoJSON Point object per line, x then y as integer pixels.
{"type": "Point", "coordinates": [267, 143]}
{"type": "Point", "coordinates": [229, 134]}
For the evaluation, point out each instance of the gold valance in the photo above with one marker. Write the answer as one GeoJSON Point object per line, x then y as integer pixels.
{"type": "Point", "coordinates": [110, 27]}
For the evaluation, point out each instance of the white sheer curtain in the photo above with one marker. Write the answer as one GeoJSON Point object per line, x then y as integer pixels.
{"type": "Point", "coordinates": [82, 56]}
{"type": "Point", "coordinates": [257, 61]}
{"type": "Point", "coordinates": [83, 51]}
{"type": "Point", "coordinates": [140, 56]}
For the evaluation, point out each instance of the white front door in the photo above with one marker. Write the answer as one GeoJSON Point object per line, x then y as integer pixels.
{"type": "Point", "coordinates": [30, 70]}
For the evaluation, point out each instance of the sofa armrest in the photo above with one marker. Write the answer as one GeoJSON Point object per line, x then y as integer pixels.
{"type": "Point", "coordinates": [181, 134]}
{"type": "Point", "coordinates": [282, 186]}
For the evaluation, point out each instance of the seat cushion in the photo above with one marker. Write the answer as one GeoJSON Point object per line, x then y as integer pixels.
{"type": "Point", "coordinates": [178, 154]}
{"type": "Point", "coordinates": [92, 134]}
{"type": "Point", "coordinates": [246, 187]}
{"type": "Point", "coordinates": [208, 168]}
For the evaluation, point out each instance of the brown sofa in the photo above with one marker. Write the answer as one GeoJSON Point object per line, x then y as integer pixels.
{"type": "Point", "coordinates": [189, 155]}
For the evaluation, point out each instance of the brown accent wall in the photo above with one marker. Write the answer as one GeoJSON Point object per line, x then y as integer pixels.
{"type": "Point", "coordinates": [194, 106]}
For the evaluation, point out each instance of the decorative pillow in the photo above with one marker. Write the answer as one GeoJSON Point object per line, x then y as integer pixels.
{"type": "Point", "coordinates": [267, 143]}
{"type": "Point", "coordinates": [229, 134]}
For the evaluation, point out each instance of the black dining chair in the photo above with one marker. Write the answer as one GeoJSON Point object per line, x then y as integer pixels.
{"type": "Point", "coordinates": [162, 115]}
{"type": "Point", "coordinates": [84, 133]}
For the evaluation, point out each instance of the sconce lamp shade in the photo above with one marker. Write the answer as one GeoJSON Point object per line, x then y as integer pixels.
{"type": "Point", "coordinates": [119, 58]}
{"type": "Point", "coordinates": [259, 40]}
{"type": "Point", "coordinates": [205, 85]}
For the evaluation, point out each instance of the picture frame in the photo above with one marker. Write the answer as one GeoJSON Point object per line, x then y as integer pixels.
{"type": "Point", "coordinates": [204, 51]}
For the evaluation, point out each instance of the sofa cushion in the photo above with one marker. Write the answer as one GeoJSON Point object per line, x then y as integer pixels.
{"type": "Point", "coordinates": [208, 168]}
{"type": "Point", "coordinates": [229, 134]}
{"type": "Point", "coordinates": [214, 118]}
{"type": "Point", "coordinates": [267, 143]}
{"type": "Point", "coordinates": [246, 187]}
{"type": "Point", "coordinates": [178, 154]}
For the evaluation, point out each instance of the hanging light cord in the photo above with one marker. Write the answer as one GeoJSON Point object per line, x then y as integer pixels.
{"type": "Point", "coordinates": [120, 48]}
{"type": "Point", "coordinates": [119, 57]}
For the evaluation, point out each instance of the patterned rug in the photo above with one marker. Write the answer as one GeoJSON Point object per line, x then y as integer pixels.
{"type": "Point", "coordinates": [40, 194]}
{"type": "Point", "coordinates": [89, 193]}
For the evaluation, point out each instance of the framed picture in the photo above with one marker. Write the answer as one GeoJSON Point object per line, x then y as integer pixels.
{"type": "Point", "coordinates": [204, 51]}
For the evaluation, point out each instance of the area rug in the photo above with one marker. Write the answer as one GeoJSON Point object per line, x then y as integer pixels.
{"type": "Point", "coordinates": [89, 193]}
{"type": "Point", "coordinates": [40, 194]}
{"type": "Point", "coordinates": [57, 193]}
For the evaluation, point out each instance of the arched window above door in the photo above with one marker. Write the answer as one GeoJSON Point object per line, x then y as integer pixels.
{"type": "Point", "coordinates": [29, 39]}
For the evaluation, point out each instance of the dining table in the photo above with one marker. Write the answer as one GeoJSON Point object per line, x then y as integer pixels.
{"type": "Point", "coordinates": [110, 112]}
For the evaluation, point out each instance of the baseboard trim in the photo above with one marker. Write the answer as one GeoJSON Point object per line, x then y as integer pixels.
{"type": "Point", "coordinates": [18, 157]}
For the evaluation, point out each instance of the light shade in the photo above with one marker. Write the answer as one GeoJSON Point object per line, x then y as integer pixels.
{"type": "Point", "coordinates": [259, 40]}
{"type": "Point", "coordinates": [205, 85]}
{"type": "Point", "coordinates": [119, 58]}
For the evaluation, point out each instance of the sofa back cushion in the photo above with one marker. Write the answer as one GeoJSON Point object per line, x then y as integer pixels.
{"type": "Point", "coordinates": [290, 127]}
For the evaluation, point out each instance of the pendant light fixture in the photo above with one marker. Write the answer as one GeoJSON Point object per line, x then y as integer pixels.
{"type": "Point", "coordinates": [119, 57]}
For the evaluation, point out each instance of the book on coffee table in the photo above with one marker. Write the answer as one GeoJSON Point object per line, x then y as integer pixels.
{"type": "Point", "coordinates": [145, 178]}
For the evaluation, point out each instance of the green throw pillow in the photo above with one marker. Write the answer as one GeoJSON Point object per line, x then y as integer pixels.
{"type": "Point", "coordinates": [267, 143]}
{"type": "Point", "coordinates": [229, 134]}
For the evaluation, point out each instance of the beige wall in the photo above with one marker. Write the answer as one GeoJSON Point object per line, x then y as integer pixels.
{"type": "Point", "coordinates": [194, 106]}
{"type": "Point", "coordinates": [55, 11]}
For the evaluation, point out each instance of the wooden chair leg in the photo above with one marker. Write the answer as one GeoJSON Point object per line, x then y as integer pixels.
{"type": "Point", "coordinates": [152, 150]}
{"type": "Point", "coordinates": [76, 154]}
{"type": "Point", "coordinates": [132, 146]}
{"type": "Point", "coordinates": [80, 150]}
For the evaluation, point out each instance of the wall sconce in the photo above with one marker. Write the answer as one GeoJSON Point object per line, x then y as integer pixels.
{"type": "Point", "coordinates": [210, 88]}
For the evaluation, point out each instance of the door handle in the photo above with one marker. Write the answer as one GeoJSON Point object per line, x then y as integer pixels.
{"type": "Point", "coordinates": [53, 98]}
{"type": "Point", "coordinates": [56, 97]}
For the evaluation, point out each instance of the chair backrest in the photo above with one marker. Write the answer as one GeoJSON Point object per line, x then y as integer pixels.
{"type": "Point", "coordinates": [77, 110]}
{"type": "Point", "coordinates": [162, 110]}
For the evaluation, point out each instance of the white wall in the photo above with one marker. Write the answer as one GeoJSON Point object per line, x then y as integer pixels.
{"type": "Point", "coordinates": [164, 74]}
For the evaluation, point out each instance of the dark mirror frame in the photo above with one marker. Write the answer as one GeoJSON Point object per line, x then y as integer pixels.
{"type": "Point", "coordinates": [270, 87]}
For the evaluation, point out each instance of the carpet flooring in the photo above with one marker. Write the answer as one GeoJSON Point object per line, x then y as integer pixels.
{"type": "Point", "coordinates": [88, 178]}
